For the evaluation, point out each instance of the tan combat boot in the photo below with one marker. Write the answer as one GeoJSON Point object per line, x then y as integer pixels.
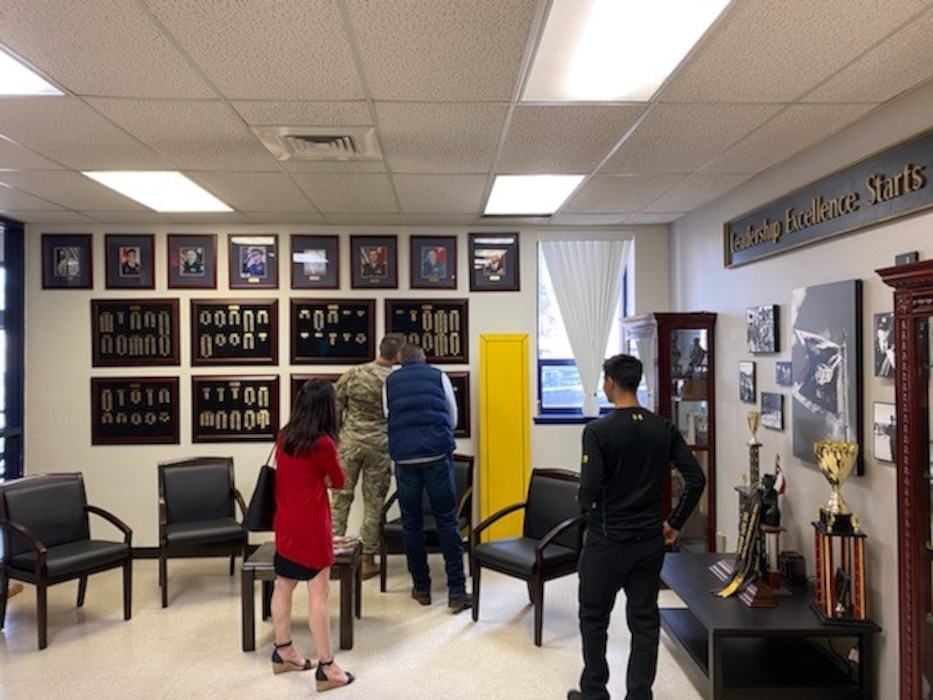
{"type": "Point", "coordinates": [369, 566]}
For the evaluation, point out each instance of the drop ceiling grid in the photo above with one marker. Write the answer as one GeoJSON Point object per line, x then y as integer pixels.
{"type": "Point", "coordinates": [440, 194]}
{"type": "Point", "coordinates": [695, 191]}
{"type": "Point", "coordinates": [303, 113]}
{"type": "Point", "coordinates": [336, 193]}
{"type": "Point", "coordinates": [70, 189]}
{"type": "Point", "coordinates": [253, 191]}
{"type": "Point", "coordinates": [15, 157]}
{"type": "Point", "coordinates": [619, 194]}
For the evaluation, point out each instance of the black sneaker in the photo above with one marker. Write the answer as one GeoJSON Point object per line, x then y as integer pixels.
{"type": "Point", "coordinates": [574, 695]}
{"type": "Point", "coordinates": [422, 598]}
{"type": "Point", "coordinates": [459, 603]}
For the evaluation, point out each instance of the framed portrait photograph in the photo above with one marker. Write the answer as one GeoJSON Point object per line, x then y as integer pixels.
{"type": "Point", "coordinates": [772, 410]}
{"type": "Point", "coordinates": [494, 262]}
{"type": "Point", "coordinates": [884, 344]}
{"type": "Point", "coordinates": [192, 261]}
{"type": "Point", "coordinates": [747, 389]}
{"type": "Point", "coordinates": [315, 262]}
{"type": "Point", "coordinates": [460, 381]}
{"type": "Point", "coordinates": [253, 261]}
{"type": "Point", "coordinates": [433, 262]}
{"type": "Point", "coordinates": [884, 430]}
{"type": "Point", "coordinates": [130, 261]}
{"type": "Point", "coordinates": [761, 328]}
{"type": "Point", "coordinates": [784, 373]}
{"type": "Point", "coordinates": [374, 262]}
{"type": "Point", "coordinates": [67, 261]}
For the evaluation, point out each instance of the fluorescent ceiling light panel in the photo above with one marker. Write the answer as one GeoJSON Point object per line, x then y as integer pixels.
{"type": "Point", "coordinates": [529, 195]}
{"type": "Point", "coordinates": [18, 79]}
{"type": "Point", "coordinates": [614, 50]}
{"type": "Point", "coordinates": [161, 190]}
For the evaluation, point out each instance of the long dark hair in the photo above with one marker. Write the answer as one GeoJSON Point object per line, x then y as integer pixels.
{"type": "Point", "coordinates": [313, 415]}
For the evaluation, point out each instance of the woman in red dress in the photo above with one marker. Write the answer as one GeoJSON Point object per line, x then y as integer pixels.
{"type": "Point", "coordinates": [306, 466]}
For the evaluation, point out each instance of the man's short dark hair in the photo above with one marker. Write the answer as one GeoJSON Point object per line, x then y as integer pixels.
{"type": "Point", "coordinates": [410, 351]}
{"type": "Point", "coordinates": [390, 345]}
{"type": "Point", "coordinates": [624, 370]}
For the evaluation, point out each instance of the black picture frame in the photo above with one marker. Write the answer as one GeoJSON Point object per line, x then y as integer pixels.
{"type": "Point", "coordinates": [234, 332]}
{"type": "Point", "coordinates": [883, 343]}
{"type": "Point", "coordinates": [296, 381]}
{"type": "Point", "coordinates": [747, 388]}
{"type": "Point", "coordinates": [772, 410]}
{"type": "Point", "coordinates": [495, 263]}
{"type": "Point", "coordinates": [252, 261]}
{"type": "Point", "coordinates": [761, 328]}
{"type": "Point", "coordinates": [134, 332]}
{"type": "Point", "coordinates": [192, 261]}
{"type": "Point", "coordinates": [439, 326]}
{"type": "Point", "coordinates": [884, 426]}
{"type": "Point", "coordinates": [460, 381]}
{"type": "Point", "coordinates": [130, 261]}
{"type": "Point", "coordinates": [67, 261]}
{"type": "Point", "coordinates": [433, 262]}
{"type": "Point", "coordinates": [242, 408]}
{"type": "Point", "coordinates": [332, 331]}
{"type": "Point", "coordinates": [374, 262]}
{"type": "Point", "coordinates": [134, 411]}
{"type": "Point", "coordinates": [784, 373]}
{"type": "Point", "coordinates": [315, 262]}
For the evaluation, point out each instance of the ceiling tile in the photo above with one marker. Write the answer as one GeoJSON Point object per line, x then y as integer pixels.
{"type": "Point", "coordinates": [620, 194]}
{"type": "Point", "coordinates": [48, 217]}
{"type": "Point", "coordinates": [766, 51]}
{"type": "Point", "coordinates": [562, 219]}
{"type": "Point", "coordinates": [14, 199]}
{"type": "Point", "coordinates": [332, 166]}
{"type": "Point", "coordinates": [258, 113]}
{"type": "Point", "coordinates": [441, 219]}
{"type": "Point", "coordinates": [70, 190]}
{"type": "Point", "coordinates": [450, 138]}
{"type": "Point", "coordinates": [255, 191]}
{"type": "Point", "coordinates": [209, 218]}
{"type": "Point", "coordinates": [192, 135]}
{"type": "Point", "coordinates": [696, 191]}
{"type": "Point", "coordinates": [563, 139]}
{"type": "Point", "coordinates": [130, 218]}
{"type": "Point", "coordinates": [440, 194]}
{"type": "Point", "coordinates": [282, 50]}
{"type": "Point", "coordinates": [433, 51]}
{"type": "Point", "coordinates": [278, 218]}
{"type": "Point", "coordinates": [15, 157]}
{"type": "Point", "coordinates": [682, 138]}
{"type": "Point", "coordinates": [375, 221]}
{"type": "Point", "coordinates": [348, 194]}
{"type": "Point", "coordinates": [649, 219]}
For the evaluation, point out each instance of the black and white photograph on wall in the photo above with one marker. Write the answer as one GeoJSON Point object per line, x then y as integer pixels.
{"type": "Point", "coordinates": [884, 345]}
{"type": "Point", "coordinates": [761, 328]}
{"type": "Point", "coordinates": [772, 410]}
{"type": "Point", "coordinates": [827, 323]}
{"type": "Point", "coordinates": [747, 391]}
{"type": "Point", "coordinates": [784, 373]}
{"type": "Point", "coordinates": [67, 261]}
{"type": "Point", "coordinates": [884, 430]}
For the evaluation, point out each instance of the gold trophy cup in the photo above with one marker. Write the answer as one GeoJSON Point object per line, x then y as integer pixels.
{"type": "Point", "coordinates": [836, 460]}
{"type": "Point", "coordinates": [754, 420]}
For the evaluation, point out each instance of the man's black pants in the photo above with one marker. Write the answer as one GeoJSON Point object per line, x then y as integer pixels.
{"type": "Point", "coordinates": [606, 567]}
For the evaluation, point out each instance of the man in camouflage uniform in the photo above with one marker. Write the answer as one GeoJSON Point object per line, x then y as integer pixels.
{"type": "Point", "coordinates": [364, 446]}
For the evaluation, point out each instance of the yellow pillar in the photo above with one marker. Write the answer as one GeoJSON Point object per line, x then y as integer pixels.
{"type": "Point", "coordinates": [504, 428]}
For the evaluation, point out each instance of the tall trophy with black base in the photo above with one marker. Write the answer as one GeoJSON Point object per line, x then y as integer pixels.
{"type": "Point", "coordinates": [839, 542]}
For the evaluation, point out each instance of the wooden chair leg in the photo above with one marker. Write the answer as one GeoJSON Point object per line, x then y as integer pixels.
{"type": "Point", "coordinates": [4, 594]}
{"type": "Point", "coordinates": [128, 589]}
{"type": "Point", "coordinates": [232, 562]}
{"type": "Point", "coordinates": [82, 590]}
{"type": "Point", "coordinates": [383, 564]}
{"type": "Point", "coordinates": [42, 614]}
{"type": "Point", "coordinates": [476, 578]}
{"type": "Point", "coordinates": [538, 602]}
{"type": "Point", "coordinates": [163, 578]}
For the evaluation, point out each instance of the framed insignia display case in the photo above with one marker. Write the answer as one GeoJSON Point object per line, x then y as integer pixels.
{"type": "Point", "coordinates": [234, 331]}
{"type": "Point", "coordinates": [439, 326]}
{"type": "Point", "coordinates": [134, 411]}
{"type": "Point", "coordinates": [134, 332]}
{"type": "Point", "coordinates": [332, 331]}
{"type": "Point", "coordinates": [234, 408]}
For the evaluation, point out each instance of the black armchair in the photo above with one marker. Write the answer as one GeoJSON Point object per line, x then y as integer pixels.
{"type": "Point", "coordinates": [197, 513]}
{"type": "Point", "coordinates": [390, 531]}
{"type": "Point", "coordinates": [46, 540]}
{"type": "Point", "coordinates": [550, 544]}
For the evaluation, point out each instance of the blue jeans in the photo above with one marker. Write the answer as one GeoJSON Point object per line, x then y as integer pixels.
{"type": "Point", "coordinates": [438, 479]}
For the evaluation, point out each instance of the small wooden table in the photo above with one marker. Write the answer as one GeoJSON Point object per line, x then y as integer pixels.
{"type": "Point", "coordinates": [259, 567]}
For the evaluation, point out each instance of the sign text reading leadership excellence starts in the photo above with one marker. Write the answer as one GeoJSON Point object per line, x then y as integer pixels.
{"type": "Point", "coordinates": [885, 186]}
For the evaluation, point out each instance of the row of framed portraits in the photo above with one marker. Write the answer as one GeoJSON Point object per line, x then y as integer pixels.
{"type": "Point", "coordinates": [242, 408]}
{"type": "Point", "coordinates": [145, 332]}
{"type": "Point", "coordinates": [314, 262]}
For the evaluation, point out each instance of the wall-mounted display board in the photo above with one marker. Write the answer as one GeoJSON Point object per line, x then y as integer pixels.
{"type": "Point", "coordinates": [134, 410]}
{"type": "Point", "coordinates": [234, 408]}
{"type": "Point", "coordinates": [234, 332]}
{"type": "Point", "coordinates": [437, 325]}
{"type": "Point", "coordinates": [333, 331]}
{"type": "Point", "coordinates": [134, 332]}
{"type": "Point", "coordinates": [460, 381]}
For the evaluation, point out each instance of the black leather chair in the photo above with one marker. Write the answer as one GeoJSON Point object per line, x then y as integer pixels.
{"type": "Point", "coordinates": [390, 531]}
{"type": "Point", "coordinates": [197, 513]}
{"type": "Point", "coordinates": [549, 546]}
{"type": "Point", "coordinates": [47, 540]}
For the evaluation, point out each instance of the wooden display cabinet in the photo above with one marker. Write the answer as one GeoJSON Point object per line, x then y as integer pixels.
{"type": "Point", "coordinates": [678, 353]}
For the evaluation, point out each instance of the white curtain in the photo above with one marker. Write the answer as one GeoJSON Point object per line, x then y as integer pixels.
{"type": "Point", "coordinates": [587, 279]}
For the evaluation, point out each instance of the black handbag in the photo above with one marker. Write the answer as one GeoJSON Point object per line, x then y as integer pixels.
{"type": "Point", "coordinates": [261, 510]}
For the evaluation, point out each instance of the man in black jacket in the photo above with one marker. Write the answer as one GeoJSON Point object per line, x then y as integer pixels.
{"type": "Point", "coordinates": [627, 455]}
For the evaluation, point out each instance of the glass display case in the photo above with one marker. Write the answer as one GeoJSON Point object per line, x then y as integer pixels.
{"type": "Point", "coordinates": [677, 350]}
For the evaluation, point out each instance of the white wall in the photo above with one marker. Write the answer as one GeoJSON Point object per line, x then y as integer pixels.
{"type": "Point", "coordinates": [123, 478]}
{"type": "Point", "coordinates": [700, 282]}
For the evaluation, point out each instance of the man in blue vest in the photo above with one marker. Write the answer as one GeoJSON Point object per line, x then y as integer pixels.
{"type": "Point", "coordinates": [422, 412]}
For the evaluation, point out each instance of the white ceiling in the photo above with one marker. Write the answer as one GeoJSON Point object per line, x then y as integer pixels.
{"type": "Point", "coordinates": [173, 84]}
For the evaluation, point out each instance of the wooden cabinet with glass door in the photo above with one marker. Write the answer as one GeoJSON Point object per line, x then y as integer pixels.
{"type": "Point", "coordinates": [677, 350]}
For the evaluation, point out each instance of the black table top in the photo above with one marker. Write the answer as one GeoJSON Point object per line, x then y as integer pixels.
{"type": "Point", "coordinates": [688, 575]}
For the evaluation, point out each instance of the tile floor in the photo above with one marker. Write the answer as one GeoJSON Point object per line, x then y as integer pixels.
{"type": "Point", "coordinates": [402, 650]}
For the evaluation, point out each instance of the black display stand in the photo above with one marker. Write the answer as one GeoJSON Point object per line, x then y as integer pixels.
{"type": "Point", "coordinates": [134, 411]}
{"type": "Point", "coordinates": [234, 331]}
{"type": "Point", "coordinates": [134, 332]}
{"type": "Point", "coordinates": [439, 326]}
{"type": "Point", "coordinates": [333, 331]}
{"type": "Point", "coordinates": [234, 409]}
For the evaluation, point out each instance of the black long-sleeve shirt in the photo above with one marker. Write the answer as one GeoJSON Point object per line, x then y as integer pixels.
{"type": "Point", "coordinates": [626, 456]}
